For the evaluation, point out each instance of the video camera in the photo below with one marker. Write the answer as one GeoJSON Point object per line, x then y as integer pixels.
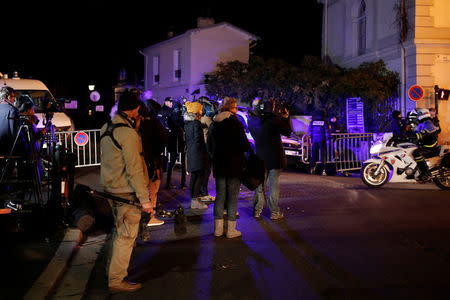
{"type": "Point", "coordinates": [272, 106]}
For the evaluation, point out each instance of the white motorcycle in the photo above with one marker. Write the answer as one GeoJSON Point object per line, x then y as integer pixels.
{"type": "Point", "coordinates": [395, 163]}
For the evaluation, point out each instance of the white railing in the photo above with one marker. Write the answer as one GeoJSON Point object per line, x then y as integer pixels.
{"type": "Point", "coordinates": [87, 155]}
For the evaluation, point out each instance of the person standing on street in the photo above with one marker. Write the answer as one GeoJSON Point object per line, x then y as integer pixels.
{"type": "Point", "coordinates": [266, 127]}
{"type": "Point", "coordinates": [227, 145]}
{"type": "Point", "coordinates": [123, 173]}
{"type": "Point", "coordinates": [9, 120]}
{"type": "Point", "coordinates": [154, 138]}
{"type": "Point", "coordinates": [197, 156]}
{"type": "Point", "coordinates": [209, 110]}
{"type": "Point", "coordinates": [397, 126]}
{"type": "Point", "coordinates": [318, 131]}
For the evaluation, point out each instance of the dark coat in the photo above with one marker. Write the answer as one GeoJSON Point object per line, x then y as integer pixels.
{"type": "Point", "coordinates": [227, 145]}
{"type": "Point", "coordinates": [267, 129]}
{"type": "Point", "coordinates": [154, 138]}
{"type": "Point", "coordinates": [195, 144]}
{"type": "Point", "coordinates": [9, 126]}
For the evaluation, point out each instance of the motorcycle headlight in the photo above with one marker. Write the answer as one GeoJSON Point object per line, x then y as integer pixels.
{"type": "Point", "coordinates": [375, 148]}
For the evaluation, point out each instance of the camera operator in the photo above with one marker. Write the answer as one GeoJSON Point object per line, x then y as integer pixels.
{"type": "Point", "coordinates": [27, 115]}
{"type": "Point", "coordinates": [124, 174]}
{"type": "Point", "coordinates": [267, 122]}
{"type": "Point", "coordinates": [9, 122]}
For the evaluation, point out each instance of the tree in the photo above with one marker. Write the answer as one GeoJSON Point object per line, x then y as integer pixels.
{"type": "Point", "coordinates": [311, 87]}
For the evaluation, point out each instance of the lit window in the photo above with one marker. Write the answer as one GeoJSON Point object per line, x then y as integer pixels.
{"type": "Point", "coordinates": [176, 65]}
{"type": "Point", "coordinates": [361, 28]}
{"type": "Point", "coordinates": [155, 69]}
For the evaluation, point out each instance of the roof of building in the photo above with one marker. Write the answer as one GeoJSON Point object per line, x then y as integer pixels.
{"type": "Point", "coordinates": [248, 35]}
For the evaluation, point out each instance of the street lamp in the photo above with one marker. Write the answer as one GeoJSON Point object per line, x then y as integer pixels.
{"type": "Point", "coordinates": [91, 87]}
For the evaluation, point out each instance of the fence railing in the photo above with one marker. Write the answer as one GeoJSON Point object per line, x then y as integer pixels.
{"type": "Point", "coordinates": [87, 155]}
{"type": "Point", "coordinates": [347, 150]}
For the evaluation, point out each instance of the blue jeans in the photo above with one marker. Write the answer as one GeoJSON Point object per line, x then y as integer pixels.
{"type": "Point", "coordinates": [274, 192]}
{"type": "Point", "coordinates": [227, 193]}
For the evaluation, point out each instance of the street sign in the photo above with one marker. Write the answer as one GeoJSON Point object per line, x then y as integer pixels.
{"type": "Point", "coordinates": [415, 92]}
{"type": "Point", "coordinates": [81, 139]}
{"type": "Point", "coordinates": [355, 115]}
{"type": "Point", "coordinates": [94, 96]}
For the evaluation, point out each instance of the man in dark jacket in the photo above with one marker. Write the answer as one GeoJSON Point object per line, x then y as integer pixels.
{"type": "Point", "coordinates": [9, 121]}
{"type": "Point", "coordinates": [170, 116]}
{"type": "Point", "coordinates": [227, 144]}
{"type": "Point", "coordinates": [318, 131]}
{"type": "Point", "coordinates": [266, 127]}
{"type": "Point", "coordinates": [154, 139]}
{"type": "Point", "coordinates": [397, 126]}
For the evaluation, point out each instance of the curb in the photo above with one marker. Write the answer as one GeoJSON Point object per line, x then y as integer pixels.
{"type": "Point", "coordinates": [48, 280]}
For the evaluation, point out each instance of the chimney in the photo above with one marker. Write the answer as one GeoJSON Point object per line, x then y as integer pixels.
{"type": "Point", "coordinates": [204, 22]}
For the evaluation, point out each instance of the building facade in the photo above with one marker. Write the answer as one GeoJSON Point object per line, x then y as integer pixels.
{"type": "Point", "coordinates": [177, 66]}
{"type": "Point", "coordinates": [357, 31]}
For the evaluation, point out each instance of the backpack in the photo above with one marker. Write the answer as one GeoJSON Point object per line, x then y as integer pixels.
{"type": "Point", "coordinates": [109, 132]}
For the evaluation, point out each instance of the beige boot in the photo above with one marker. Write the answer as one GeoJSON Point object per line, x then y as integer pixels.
{"type": "Point", "coordinates": [231, 230]}
{"type": "Point", "coordinates": [218, 227]}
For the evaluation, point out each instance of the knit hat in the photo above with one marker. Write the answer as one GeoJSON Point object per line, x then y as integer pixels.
{"type": "Point", "coordinates": [194, 107]}
{"type": "Point", "coordinates": [128, 101]}
{"type": "Point", "coordinates": [229, 104]}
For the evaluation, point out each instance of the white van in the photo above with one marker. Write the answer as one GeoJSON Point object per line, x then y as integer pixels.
{"type": "Point", "coordinates": [41, 96]}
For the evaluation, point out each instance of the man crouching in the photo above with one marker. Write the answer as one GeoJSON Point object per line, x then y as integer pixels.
{"type": "Point", "coordinates": [124, 174]}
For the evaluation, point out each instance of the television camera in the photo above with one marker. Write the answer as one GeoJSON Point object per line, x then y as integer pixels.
{"type": "Point", "coordinates": [37, 176]}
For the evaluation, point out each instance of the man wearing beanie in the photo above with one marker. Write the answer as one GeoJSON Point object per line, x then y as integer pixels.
{"type": "Point", "coordinates": [197, 157]}
{"type": "Point", "coordinates": [124, 174]}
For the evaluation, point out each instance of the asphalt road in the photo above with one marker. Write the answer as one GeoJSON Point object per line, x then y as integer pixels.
{"type": "Point", "coordinates": [339, 240]}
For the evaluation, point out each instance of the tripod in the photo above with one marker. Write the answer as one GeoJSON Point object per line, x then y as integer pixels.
{"type": "Point", "coordinates": [19, 166]}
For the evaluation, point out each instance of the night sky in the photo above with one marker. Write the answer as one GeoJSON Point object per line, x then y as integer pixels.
{"type": "Point", "coordinates": [71, 45]}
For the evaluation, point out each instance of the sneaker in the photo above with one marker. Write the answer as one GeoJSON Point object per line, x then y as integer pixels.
{"type": "Point", "coordinates": [207, 198]}
{"type": "Point", "coordinates": [277, 216]}
{"type": "Point", "coordinates": [155, 222]}
{"type": "Point", "coordinates": [257, 214]}
{"type": "Point", "coordinates": [196, 204]}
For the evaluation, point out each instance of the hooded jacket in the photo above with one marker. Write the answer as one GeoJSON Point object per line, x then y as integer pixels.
{"type": "Point", "coordinates": [123, 171]}
{"type": "Point", "coordinates": [227, 144]}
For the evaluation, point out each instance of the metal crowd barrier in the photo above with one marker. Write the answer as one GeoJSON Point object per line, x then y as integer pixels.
{"type": "Point", "coordinates": [347, 151]}
{"type": "Point", "coordinates": [87, 155]}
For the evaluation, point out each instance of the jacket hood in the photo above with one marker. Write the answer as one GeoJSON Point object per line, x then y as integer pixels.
{"type": "Point", "coordinates": [188, 116]}
{"type": "Point", "coordinates": [222, 116]}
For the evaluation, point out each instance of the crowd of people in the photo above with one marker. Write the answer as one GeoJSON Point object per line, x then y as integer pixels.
{"type": "Point", "coordinates": [143, 140]}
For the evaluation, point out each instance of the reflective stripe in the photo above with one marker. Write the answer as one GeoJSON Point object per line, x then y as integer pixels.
{"type": "Point", "coordinates": [430, 146]}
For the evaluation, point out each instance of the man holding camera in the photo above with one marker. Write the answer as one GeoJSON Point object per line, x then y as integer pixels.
{"type": "Point", "coordinates": [9, 119]}
{"type": "Point", "coordinates": [267, 122]}
{"type": "Point", "coordinates": [124, 174]}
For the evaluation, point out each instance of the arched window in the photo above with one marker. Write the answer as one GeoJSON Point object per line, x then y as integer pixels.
{"type": "Point", "coordinates": [361, 28]}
